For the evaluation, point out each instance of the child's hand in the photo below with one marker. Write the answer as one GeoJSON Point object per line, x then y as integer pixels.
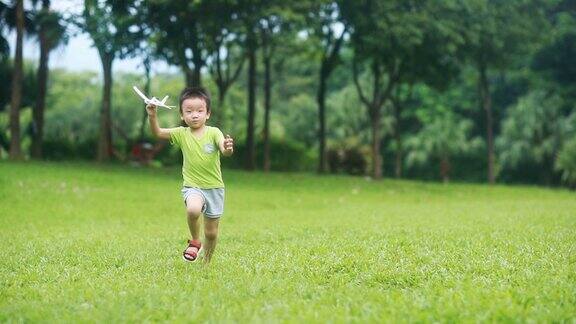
{"type": "Point", "coordinates": [228, 145]}
{"type": "Point", "coordinates": [151, 110]}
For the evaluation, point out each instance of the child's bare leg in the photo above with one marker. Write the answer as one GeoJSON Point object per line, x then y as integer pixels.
{"type": "Point", "coordinates": [194, 205]}
{"type": "Point", "coordinates": [210, 235]}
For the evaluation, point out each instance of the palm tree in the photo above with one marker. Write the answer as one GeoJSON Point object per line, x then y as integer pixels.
{"type": "Point", "coordinates": [51, 34]}
{"type": "Point", "coordinates": [15, 147]}
{"type": "Point", "coordinates": [4, 13]}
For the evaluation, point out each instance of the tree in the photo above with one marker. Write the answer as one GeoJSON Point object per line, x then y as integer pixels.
{"type": "Point", "coordinates": [398, 99]}
{"type": "Point", "coordinates": [16, 97]}
{"type": "Point", "coordinates": [51, 33]}
{"type": "Point", "coordinates": [497, 32]}
{"type": "Point", "coordinates": [227, 57]}
{"type": "Point", "coordinates": [275, 29]}
{"type": "Point", "coordinates": [443, 135]}
{"type": "Point", "coordinates": [14, 17]}
{"type": "Point", "coordinates": [361, 16]}
{"type": "Point", "coordinates": [8, 24]}
{"type": "Point", "coordinates": [147, 63]}
{"type": "Point", "coordinates": [534, 131]}
{"type": "Point", "coordinates": [116, 30]}
{"type": "Point", "coordinates": [399, 42]}
{"type": "Point", "coordinates": [433, 61]}
{"type": "Point", "coordinates": [566, 162]}
{"type": "Point", "coordinates": [181, 33]}
{"type": "Point", "coordinates": [554, 61]}
{"type": "Point", "coordinates": [4, 18]}
{"type": "Point", "coordinates": [228, 61]}
{"type": "Point", "coordinates": [249, 13]}
{"type": "Point", "coordinates": [326, 25]}
{"type": "Point", "coordinates": [250, 140]}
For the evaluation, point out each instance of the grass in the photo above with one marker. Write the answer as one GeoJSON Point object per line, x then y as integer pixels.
{"type": "Point", "coordinates": [89, 243]}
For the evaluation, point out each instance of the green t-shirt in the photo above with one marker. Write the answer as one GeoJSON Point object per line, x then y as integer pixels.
{"type": "Point", "coordinates": [201, 166]}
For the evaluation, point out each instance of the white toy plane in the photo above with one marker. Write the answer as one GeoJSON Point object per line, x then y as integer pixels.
{"type": "Point", "coordinates": [153, 101]}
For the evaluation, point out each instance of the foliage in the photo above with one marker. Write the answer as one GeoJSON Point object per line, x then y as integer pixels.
{"type": "Point", "coordinates": [525, 45]}
{"type": "Point", "coordinates": [55, 27]}
{"type": "Point", "coordinates": [8, 23]}
{"type": "Point", "coordinates": [25, 130]}
{"type": "Point", "coordinates": [114, 26]}
{"type": "Point", "coordinates": [347, 122]}
{"type": "Point", "coordinates": [73, 102]}
{"type": "Point", "coordinates": [285, 156]}
{"type": "Point", "coordinates": [553, 60]}
{"type": "Point", "coordinates": [5, 12]}
{"type": "Point", "coordinates": [498, 32]}
{"type": "Point", "coordinates": [65, 150]}
{"type": "Point", "coordinates": [72, 107]}
{"type": "Point", "coordinates": [566, 162]}
{"type": "Point", "coordinates": [534, 130]}
{"type": "Point", "coordinates": [443, 134]}
{"type": "Point", "coordinates": [350, 160]}
{"type": "Point", "coordinates": [29, 84]}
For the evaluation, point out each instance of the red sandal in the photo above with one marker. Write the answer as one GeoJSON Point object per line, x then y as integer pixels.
{"type": "Point", "coordinates": [192, 251]}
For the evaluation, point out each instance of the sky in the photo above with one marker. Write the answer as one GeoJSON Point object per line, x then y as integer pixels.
{"type": "Point", "coordinates": [78, 54]}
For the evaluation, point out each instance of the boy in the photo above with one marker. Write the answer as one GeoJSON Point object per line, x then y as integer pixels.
{"type": "Point", "coordinates": [201, 146]}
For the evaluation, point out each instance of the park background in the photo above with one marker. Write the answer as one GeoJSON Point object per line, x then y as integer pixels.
{"type": "Point", "coordinates": [394, 160]}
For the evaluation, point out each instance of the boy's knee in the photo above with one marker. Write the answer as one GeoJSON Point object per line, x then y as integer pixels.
{"type": "Point", "coordinates": [194, 212]}
{"type": "Point", "coordinates": [211, 234]}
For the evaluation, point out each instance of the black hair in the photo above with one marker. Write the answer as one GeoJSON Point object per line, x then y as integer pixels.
{"type": "Point", "coordinates": [195, 92]}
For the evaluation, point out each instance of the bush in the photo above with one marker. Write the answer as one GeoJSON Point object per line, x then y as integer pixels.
{"type": "Point", "coordinates": [284, 156]}
{"type": "Point", "coordinates": [348, 160]}
{"type": "Point", "coordinates": [566, 162]}
{"type": "Point", "coordinates": [66, 150]}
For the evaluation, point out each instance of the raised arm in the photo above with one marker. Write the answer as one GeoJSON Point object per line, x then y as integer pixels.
{"type": "Point", "coordinates": [162, 133]}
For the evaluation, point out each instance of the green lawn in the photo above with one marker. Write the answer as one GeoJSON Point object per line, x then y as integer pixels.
{"type": "Point", "coordinates": [89, 243]}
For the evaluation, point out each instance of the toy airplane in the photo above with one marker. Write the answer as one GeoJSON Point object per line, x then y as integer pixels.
{"type": "Point", "coordinates": [153, 101]}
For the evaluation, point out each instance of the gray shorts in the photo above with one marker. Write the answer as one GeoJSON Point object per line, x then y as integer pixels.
{"type": "Point", "coordinates": [213, 206]}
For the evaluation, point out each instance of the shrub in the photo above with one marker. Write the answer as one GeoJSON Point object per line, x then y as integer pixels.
{"type": "Point", "coordinates": [348, 160]}
{"type": "Point", "coordinates": [66, 150]}
{"type": "Point", "coordinates": [566, 162]}
{"type": "Point", "coordinates": [284, 156]}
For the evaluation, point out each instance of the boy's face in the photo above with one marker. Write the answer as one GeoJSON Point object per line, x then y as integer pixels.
{"type": "Point", "coordinates": [194, 112]}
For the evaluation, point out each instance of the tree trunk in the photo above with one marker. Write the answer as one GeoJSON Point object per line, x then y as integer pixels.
{"type": "Point", "coordinates": [321, 99]}
{"type": "Point", "coordinates": [376, 158]}
{"type": "Point", "coordinates": [189, 74]}
{"type": "Point", "coordinates": [250, 142]}
{"type": "Point", "coordinates": [548, 170]}
{"type": "Point", "coordinates": [487, 106]}
{"type": "Point", "coordinates": [445, 168]}
{"type": "Point", "coordinates": [42, 86]}
{"type": "Point", "coordinates": [196, 76]}
{"type": "Point", "coordinates": [329, 60]}
{"type": "Point", "coordinates": [147, 68]}
{"type": "Point", "coordinates": [105, 141]}
{"type": "Point", "coordinates": [267, 96]}
{"type": "Point", "coordinates": [196, 57]}
{"type": "Point", "coordinates": [15, 149]}
{"type": "Point", "coordinates": [398, 139]}
{"type": "Point", "coordinates": [220, 121]}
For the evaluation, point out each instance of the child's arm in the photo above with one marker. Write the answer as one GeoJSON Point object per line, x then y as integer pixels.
{"type": "Point", "coordinates": [163, 133]}
{"type": "Point", "coordinates": [227, 145]}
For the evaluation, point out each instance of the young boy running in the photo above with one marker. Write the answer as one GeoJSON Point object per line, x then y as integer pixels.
{"type": "Point", "coordinates": [201, 146]}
